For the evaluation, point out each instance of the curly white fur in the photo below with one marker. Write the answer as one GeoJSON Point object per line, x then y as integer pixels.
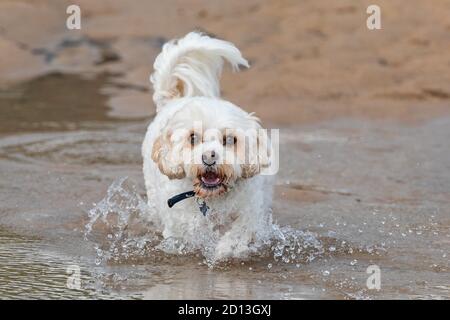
{"type": "Point", "coordinates": [186, 90]}
{"type": "Point", "coordinates": [197, 61]}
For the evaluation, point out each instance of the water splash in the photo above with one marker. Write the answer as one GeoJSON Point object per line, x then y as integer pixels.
{"type": "Point", "coordinates": [294, 246]}
{"type": "Point", "coordinates": [124, 228]}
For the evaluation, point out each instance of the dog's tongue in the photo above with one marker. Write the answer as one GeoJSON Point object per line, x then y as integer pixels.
{"type": "Point", "coordinates": [210, 178]}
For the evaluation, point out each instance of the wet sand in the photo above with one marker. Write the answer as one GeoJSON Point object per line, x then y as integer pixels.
{"type": "Point", "coordinates": [316, 59]}
{"type": "Point", "coordinates": [364, 120]}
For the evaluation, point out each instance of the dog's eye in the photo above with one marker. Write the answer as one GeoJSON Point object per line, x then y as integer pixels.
{"type": "Point", "coordinates": [193, 139]}
{"type": "Point", "coordinates": [229, 140]}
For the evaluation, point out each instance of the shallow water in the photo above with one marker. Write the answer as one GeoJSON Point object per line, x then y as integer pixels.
{"type": "Point", "coordinates": [350, 194]}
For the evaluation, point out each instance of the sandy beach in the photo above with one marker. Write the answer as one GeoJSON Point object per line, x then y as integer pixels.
{"type": "Point", "coordinates": [364, 119]}
{"type": "Point", "coordinates": [317, 60]}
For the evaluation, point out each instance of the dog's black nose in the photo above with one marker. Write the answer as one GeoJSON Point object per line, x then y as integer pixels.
{"type": "Point", "coordinates": [209, 158]}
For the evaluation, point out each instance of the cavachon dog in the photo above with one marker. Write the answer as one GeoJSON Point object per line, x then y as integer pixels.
{"type": "Point", "coordinates": [207, 151]}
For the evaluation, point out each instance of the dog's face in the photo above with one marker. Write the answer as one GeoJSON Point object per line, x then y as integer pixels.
{"type": "Point", "coordinates": [213, 144]}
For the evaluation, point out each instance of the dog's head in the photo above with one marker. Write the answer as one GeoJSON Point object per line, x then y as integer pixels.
{"type": "Point", "coordinates": [213, 143]}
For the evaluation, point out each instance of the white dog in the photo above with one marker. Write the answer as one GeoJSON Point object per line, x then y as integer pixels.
{"type": "Point", "coordinates": [203, 144]}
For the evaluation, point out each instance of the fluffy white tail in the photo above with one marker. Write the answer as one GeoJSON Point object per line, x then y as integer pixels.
{"type": "Point", "coordinates": [191, 66]}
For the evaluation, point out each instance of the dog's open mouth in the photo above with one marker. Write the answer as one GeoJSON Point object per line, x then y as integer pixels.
{"type": "Point", "coordinates": [210, 183]}
{"type": "Point", "coordinates": [210, 179]}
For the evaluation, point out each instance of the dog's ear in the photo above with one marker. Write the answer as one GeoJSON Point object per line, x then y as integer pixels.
{"type": "Point", "coordinates": [258, 155]}
{"type": "Point", "coordinates": [264, 149]}
{"type": "Point", "coordinates": [249, 170]}
{"type": "Point", "coordinates": [169, 163]}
